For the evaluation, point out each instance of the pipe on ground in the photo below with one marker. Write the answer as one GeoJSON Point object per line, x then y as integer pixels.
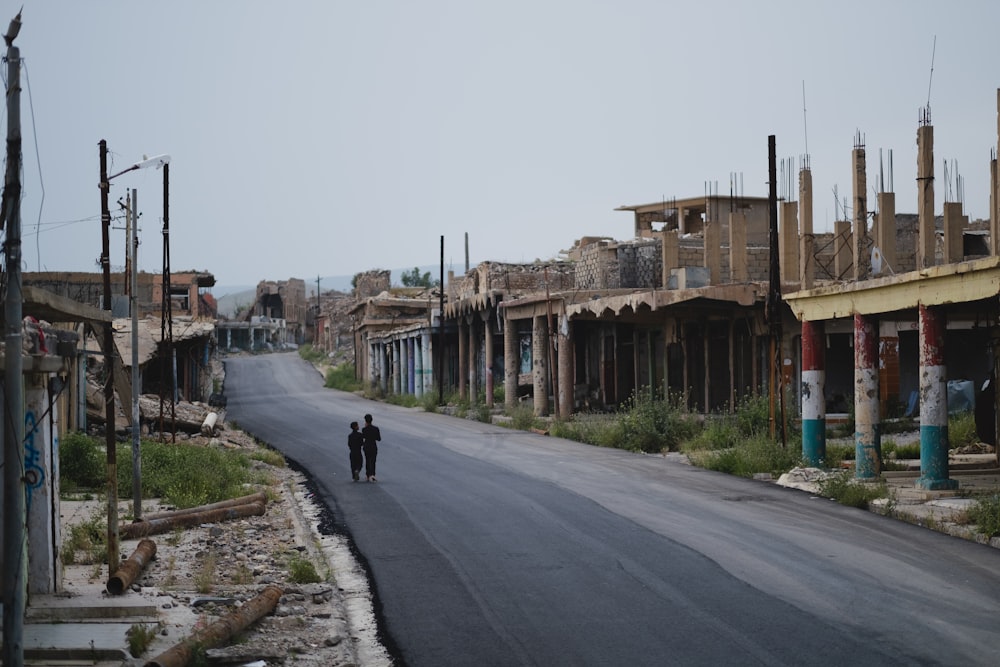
{"type": "Point", "coordinates": [132, 567]}
{"type": "Point", "coordinates": [259, 497]}
{"type": "Point", "coordinates": [158, 526]}
{"type": "Point", "coordinates": [220, 632]}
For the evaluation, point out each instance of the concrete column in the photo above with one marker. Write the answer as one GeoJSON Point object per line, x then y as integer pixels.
{"type": "Point", "coordinates": [859, 247]}
{"type": "Point", "coordinates": [933, 402]}
{"type": "Point", "coordinates": [926, 239]}
{"type": "Point", "coordinates": [418, 366]}
{"type": "Point", "coordinates": [397, 368]}
{"type": "Point", "coordinates": [671, 254]}
{"type": "Point", "coordinates": [463, 358]}
{"type": "Point", "coordinates": [954, 223]}
{"type": "Point", "coordinates": [867, 439]}
{"type": "Point", "coordinates": [788, 242]}
{"type": "Point", "coordinates": [738, 272]}
{"type": "Point", "coordinates": [488, 354]}
{"type": "Point", "coordinates": [807, 268]}
{"type": "Point", "coordinates": [539, 364]}
{"type": "Point", "coordinates": [41, 486]}
{"type": "Point", "coordinates": [566, 370]}
{"type": "Point", "coordinates": [885, 232]}
{"type": "Point", "coordinates": [411, 365]}
{"type": "Point", "coordinates": [713, 251]}
{"type": "Point", "coordinates": [511, 361]}
{"type": "Point", "coordinates": [813, 392]}
{"type": "Point", "coordinates": [427, 369]}
{"type": "Point", "coordinates": [383, 359]}
{"type": "Point", "coordinates": [473, 361]}
{"type": "Point", "coordinates": [404, 367]}
{"type": "Point", "coordinates": [842, 259]}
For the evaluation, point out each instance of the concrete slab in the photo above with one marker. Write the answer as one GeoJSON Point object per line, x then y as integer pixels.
{"type": "Point", "coordinates": [76, 641]}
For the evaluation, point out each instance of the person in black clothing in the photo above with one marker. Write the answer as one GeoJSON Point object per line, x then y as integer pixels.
{"type": "Point", "coordinates": [355, 442]}
{"type": "Point", "coordinates": [372, 436]}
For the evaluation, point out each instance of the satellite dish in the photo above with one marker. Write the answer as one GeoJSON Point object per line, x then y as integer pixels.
{"type": "Point", "coordinates": [876, 261]}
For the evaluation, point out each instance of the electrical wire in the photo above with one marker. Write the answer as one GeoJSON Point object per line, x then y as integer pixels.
{"type": "Point", "coordinates": [38, 163]}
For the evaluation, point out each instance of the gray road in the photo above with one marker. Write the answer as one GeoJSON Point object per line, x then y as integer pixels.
{"type": "Point", "coordinates": [489, 546]}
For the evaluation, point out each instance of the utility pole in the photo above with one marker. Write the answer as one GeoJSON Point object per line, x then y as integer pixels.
{"type": "Point", "coordinates": [134, 308]}
{"type": "Point", "coordinates": [109, 368]}
{"type": "Point", "coordinates": [15, 538]}
{"type": "Point", "coordinates": [166, 317]}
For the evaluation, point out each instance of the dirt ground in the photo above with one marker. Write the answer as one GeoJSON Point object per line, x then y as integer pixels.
{"type": "Point", "coordinates": [202, 574]}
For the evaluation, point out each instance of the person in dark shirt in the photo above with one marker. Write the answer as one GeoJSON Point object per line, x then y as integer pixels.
{"type": "Point", "coordinates": [356, 442]}
{"type": "Point", "coordinates": [372, 437]}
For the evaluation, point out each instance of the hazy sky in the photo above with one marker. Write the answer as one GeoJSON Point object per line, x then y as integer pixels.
{"type": "Point", "coordinates": [330, 137]}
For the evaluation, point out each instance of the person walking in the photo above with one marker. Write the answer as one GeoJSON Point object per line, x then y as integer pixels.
{"type": "Point", "coordinates": [372, 437]}
{"type": "Point", "coordinates": [355, 442]}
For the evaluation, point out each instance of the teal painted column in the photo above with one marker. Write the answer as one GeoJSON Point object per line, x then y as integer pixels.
{"type": "Point", "coordinates": [813, 393]}
{"type": "Point", "coordinates": [933, 403]}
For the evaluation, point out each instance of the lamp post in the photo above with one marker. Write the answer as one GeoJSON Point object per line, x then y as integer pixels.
{"type": "Point", "coordinates": [109, 354]}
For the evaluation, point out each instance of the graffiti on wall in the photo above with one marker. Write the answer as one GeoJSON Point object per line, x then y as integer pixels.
{"type": "Point", "coordinates": [34, 472]}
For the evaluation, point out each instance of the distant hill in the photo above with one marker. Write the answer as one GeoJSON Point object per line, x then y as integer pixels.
{"type": "Point", "coordinates": [229, 297]}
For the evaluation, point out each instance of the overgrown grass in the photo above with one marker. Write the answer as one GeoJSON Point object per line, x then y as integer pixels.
{"type": "Point", "coordinates": [759, 454]}
{"type": "Point", "coordinates": [962, 430]}
{"type": "Point", "coordinates": [82, 463]}
{"type": "Point", "coordinates": [183, 475]}
{"type": "Point", "coordinates": [311, 354]}
{"type": "Point", "coordinates": [342, 377]}
{"type": "Point", "coordinates": [405, 400]}
{"type": "Point", "coordinates": [846, 490]}
{"type": "Point", "coordinates": [87, 542]}
{"type": "Point", "coordinates": [140, 636]}
{"type": "Point", "coordinates": [302, 571]}
{"type": "Point", "coordinates": [985, 513]}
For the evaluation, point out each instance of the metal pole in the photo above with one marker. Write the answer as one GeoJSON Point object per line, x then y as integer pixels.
{"type": "Point", "coordinates": [439, 352]}
{"type": "Point", "coordinates": [15, 561]}
{"type": "Point", "coordinates": [134, 308]}
{"type": "Point", "coordinates": [109, 369]}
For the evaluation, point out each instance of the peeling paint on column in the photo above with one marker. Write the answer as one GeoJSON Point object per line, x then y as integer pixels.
{"type": "Point", "coordinates": [933, 403]}
{"type": "Point", "coordinates": [867, 439]}
{"type": "Point", "coordinates": [813, 393]}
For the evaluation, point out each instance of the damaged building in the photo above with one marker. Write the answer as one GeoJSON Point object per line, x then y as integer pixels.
{"type": "Point", "coordinates": [681, 307]}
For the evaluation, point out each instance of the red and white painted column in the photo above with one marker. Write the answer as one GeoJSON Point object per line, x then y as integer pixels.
{"type": "Point", "coordinates": [933, 403]}
{"type": "Point", "coordinates": [813, 392]}
{"type": "Point", "coordinates": [867, 438]}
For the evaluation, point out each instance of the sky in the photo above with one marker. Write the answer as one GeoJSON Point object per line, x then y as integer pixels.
{"type": "Point", "coordinates": [327, 137]}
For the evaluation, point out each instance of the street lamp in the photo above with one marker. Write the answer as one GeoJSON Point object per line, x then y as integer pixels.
{"type": "Point", "coordinates": [109, 360]}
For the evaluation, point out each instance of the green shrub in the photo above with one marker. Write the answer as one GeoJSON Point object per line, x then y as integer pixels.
{"type": "Point", "coordinates": [302, 571]}
{"type": "Point", "coordinates": [654, 425]}
{"type": "Point", "coordinates": [187, 475]}
{"type": "Point", "coordinates": [429, 401]}
{"type": "Point", "coordinates": [342, 377]}
{"type": "Point", "coordinates": [848, 491]}
{"type": "Point", "coordinates": [522, 417]}
{"type": "Point", "coordinates": [87, 542]}
{"type": "Point", "coordinates": [311, 354]}
{"type": "Point", "coordinates": [82, 462]}
{"type": "Point", "coordinates": [985, 513]}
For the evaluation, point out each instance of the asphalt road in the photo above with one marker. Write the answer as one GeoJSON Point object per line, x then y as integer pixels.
{"type": "Point", "coordinates": [489, 546]}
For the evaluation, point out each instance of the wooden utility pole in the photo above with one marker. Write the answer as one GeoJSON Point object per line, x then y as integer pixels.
{"type": "Point", "coordinates": [15, 538]}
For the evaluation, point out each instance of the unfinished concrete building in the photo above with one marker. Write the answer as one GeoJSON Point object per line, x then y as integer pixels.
{"type": "Point", "coordinates": [680, 307]}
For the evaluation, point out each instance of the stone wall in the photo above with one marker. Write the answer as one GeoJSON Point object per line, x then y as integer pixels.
{"type": "Point", "coordinates": [372, 283]}
{"type": "Point", "coordinates": [516, 279]}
